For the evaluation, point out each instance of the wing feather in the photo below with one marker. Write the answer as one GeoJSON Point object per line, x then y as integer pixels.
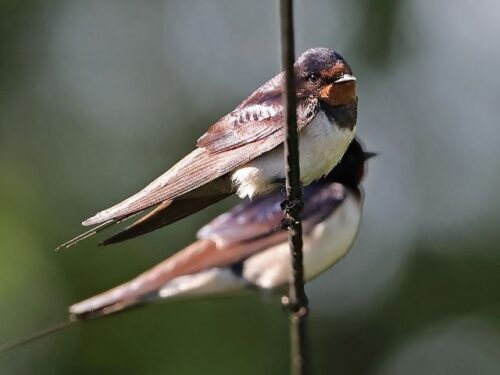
{"type": "Point", "coordinates": [170, 211]}
{"type": "Point", "coordinates": [199, 256]}
{"type": "Point", "coordinates": [264, 215]}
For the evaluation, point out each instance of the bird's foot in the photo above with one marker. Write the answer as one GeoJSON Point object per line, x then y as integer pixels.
{"type": "Point", "coordinates": [292, 206]}
{"type": "Point", "coordinates": [295, 308]}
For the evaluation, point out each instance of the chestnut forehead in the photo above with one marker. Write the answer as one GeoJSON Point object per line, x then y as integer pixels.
{"type": "Point", "coordinates": [336, 70]}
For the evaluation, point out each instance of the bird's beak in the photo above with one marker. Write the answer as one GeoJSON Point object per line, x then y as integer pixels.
{"type": "Point", "coordinates": [369, 155]}
{"type": "Point", "coordinates": [345, 78]}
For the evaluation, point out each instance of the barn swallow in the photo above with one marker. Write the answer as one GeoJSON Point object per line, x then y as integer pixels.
{"type": "Point", "coordinates": [242, 153]}
{"type": "Point", "coordinates": [245, 248]}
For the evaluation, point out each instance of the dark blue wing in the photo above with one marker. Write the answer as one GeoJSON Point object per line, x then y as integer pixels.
{"type": "Point", "coordinates": [263, 216]}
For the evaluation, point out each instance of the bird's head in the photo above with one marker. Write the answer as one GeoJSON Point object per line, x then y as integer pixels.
{"type": "Point", "coordinates": [324, 74]}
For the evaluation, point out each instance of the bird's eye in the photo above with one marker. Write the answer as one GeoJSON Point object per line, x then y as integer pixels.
{"type": "Point", "coordinates": [313, 78]}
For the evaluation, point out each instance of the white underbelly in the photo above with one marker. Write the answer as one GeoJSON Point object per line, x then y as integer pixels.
{"type": "Point", "coordinates": [213, 281]}
{"type": "Point", "coordinates": [321, 146]}
{"type": "Point", "coordinates": [323, 247]}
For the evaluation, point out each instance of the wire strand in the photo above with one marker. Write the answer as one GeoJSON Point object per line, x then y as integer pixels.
{"type": "Point", "coordinates": [296, 302]}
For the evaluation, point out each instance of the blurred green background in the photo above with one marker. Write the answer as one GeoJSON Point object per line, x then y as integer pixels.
{"type": "Point", "coordinates": [100, 97]}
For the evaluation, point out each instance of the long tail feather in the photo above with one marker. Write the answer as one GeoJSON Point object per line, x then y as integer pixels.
{"type": "Point", "coordinates": [165, 214]}
{"type": "Point", "coordinates": [87, 234]}
{"type": "Point", "coordinates": [39, 335]}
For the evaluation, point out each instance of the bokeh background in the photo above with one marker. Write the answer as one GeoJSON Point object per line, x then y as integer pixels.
{"type": "Point", "coordinates": [100, 97]}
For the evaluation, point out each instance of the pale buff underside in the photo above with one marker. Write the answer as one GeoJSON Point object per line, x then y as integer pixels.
{"type": "Point", "coordinates": [321, 146]}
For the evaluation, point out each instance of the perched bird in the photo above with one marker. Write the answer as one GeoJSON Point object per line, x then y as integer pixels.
{"type": "Point", "coordinates": [245, 247]}
{"type": "Point", "coordinates": [243, 152]}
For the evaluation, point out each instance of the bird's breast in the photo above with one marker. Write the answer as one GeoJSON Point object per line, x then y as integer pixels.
{"type": "Point", "coordinates": [321, 146]}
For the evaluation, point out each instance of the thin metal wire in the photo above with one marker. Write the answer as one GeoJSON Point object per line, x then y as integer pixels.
{"type": "Point", "coordinates": [296, 302]}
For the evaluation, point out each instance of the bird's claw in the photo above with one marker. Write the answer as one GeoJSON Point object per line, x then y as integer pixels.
{"type": "Point", "coordinates": [294, 308]}
{"type": "Point", "coordinates": [293, 206]}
